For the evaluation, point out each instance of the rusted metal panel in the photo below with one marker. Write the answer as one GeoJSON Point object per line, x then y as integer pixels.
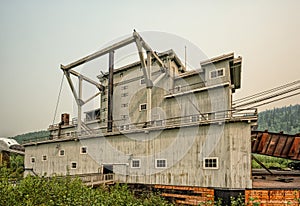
{"type": "Point", "coordinates": [272, 144]}
{"type": "Point", "coordinates": [276, 144]}
{"type": "Point", "coordinates": [295, 148]}
{"type": "Point", "coordinates": [279, 147]}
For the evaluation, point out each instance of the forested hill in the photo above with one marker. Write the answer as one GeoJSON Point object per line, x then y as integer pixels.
{"type": "Point", "coordinates": [286, 119]}
{"type": "Point", "coordinates": [31, 136]}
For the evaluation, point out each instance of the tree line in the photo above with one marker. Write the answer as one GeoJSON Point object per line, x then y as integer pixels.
{"type": "Point", "coordinates": [286, 119]}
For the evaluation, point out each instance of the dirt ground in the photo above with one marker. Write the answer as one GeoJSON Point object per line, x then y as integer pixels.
{"type": "Point", "coordinates": [279, 179]}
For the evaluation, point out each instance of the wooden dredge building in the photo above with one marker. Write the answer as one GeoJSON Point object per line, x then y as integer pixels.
{"type": "Point", "coordinates": [157, 124]}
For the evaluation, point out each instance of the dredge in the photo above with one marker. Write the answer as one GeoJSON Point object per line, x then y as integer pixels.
{"type": "Point", "coordinates": [161, 126]}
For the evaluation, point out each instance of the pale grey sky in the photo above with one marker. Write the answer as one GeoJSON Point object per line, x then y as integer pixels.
{"type": "Point", "coordinates": [37, 36]}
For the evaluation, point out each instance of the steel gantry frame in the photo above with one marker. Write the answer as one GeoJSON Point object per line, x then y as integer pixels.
{"type": "Point", "coordinates": [142, 46]}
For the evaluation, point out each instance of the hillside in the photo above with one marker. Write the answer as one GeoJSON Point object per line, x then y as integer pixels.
{"type": "Point", "coordinates": [31, 136]}
{"type": "Point", "coordinates": [286, 119]}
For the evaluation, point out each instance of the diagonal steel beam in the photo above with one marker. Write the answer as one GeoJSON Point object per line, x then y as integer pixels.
{"type": "Point", "coordinates": [99, 86]}
{"type": "Point", "coordinates": [100, 53]}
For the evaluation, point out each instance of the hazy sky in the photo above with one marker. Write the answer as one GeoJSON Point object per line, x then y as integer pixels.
{"type": "Point", "coordinates": [37, 36]}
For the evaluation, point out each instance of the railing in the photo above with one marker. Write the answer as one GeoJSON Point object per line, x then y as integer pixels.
{"type": "Point", "coordinates": [189, 87]}
{"type": "Point", "coordinates": [120, 126]}
{"type": "Point", "coordinates": [91, 178]}
{"type": "Point", "coordinates": [96, 178]}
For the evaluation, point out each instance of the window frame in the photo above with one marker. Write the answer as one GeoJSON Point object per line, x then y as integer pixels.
{"type": "Point", "coordinates": [159, 123]}
{"type": "Point", "coordinates": [216, 72]}
{"type": "Point", "coordinates": [59, 152]}
{"type": "Point", "coordinates": [143, 104]}
{"type": "Point", "coordinates": [195, 118]}
{"type": "Point", "coordinates": [81, 150]}
{"type": "Point", "coordinates": [211, 167]}
{"type": "Point", "coordinates": [44, 158]}
{"type": "Point", "coordinates": [32, 160]}
{"type": "Point", "coordinates": [159, 167]}
{"type": "Point", "coordinates": [139, 163]}
{"type": "Point", "coordinates": [76, 165]}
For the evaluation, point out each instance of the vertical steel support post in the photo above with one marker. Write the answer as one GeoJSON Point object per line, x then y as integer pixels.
{"type": "Point", "coordinates": [110, 92]}
{"type": "Point", "coordinates": [149, 89]}
{"type": "Point", "coordinates": [79, 105]}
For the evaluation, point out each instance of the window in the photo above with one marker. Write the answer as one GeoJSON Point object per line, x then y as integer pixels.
{"type": "Point", "coordinates": [177, 88]}
{"type": "Point", "coordinates": [143, 107]}
{"type": "Point", "coordinates": [161, 163]}
{"type": "Point", "coordinates": [159, 123]}
{"type": "Point", "coordinates": [124, 87]}
{"type": "Point", "coordinates": [61, 152]}
{"type": "Point", "coordinates": [73, 165]}
{"type": "Point", "coordinates": [121, 74]}
{"type": "Point", "coordinates": [217, 73]}
{"type": "Point", "coordinates": [124, 127]}
{"type": "Point", "coordinates": [32, 160]}
{"type": "Point", "coordinates": [83, 150]}
{"type": "Point", "coordinates": [124, 116]}
{"type": "Point", "coordinates": [44, 157]}
{"type": "Point", "coordinates": [135, 163]}
{"type": "Point", "coordinates": [124, 105]}
{"type": "Point", "coordinates": [204, 117]}
{"type": "Point", "coordinates": [195, 118]}
{"type": "Point", "coordinates": [124, 94]}
{"type": "Point", "coordinates": [210, 163]}
{"type": "Point", "coordinates": [142, 81]}
{"type": "Point", "coordinates": [104, 99]}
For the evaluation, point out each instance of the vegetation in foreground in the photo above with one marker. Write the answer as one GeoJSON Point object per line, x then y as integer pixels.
{"type": "Point", "coordinates": [271, 162]}
{"type": "Point", "coordinates": [66, 191]}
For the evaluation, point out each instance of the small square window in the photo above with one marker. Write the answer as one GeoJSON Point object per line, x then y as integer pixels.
{"type": "Point", "coordinates": [32, 160]}
{"type": "Point", "coordinates": [220, 72]}
{"type": "Point", "coordinates": [124, 105]}
{"type": "Point", "coordinates": [83, 150]}
{"type": "Point", "coordinates": [195, 118]}
{"type": "Point", "coordinates": [217, 73]}
{"type": "Point", "coordinates": [124, 94]}
{"type": "Point", "coordinates": [73, 165]}
{"type": "Point", "coordinates": [210, 163]}
{"type": "Point", "coordinates": [159, 123]}
{"type": "Point", "coordinates": [143, 107]}
{"type": "Point", "coordinates": [122, 127]}
{"type": "Point", "coordinates": [142, 81]}
{"type": "Point", "coordinates": [213, 74]}
{"type": "Point", "coordinates": [61, 152]}
{"type": "Point", "coordinates": [124, 87]}
{"type": "Point", "coordinates": [204, 117]}
{"type": "Point", "coordinates": [124, 116]}
{"type": "Point", "coordinates": [44, 157]}
{"type": "Point", "coordinates": [161, 163]}
{"type": "Point", "coordinates": [136, 163]}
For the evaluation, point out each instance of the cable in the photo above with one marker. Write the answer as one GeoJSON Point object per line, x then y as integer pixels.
{"type": "Point", "coordinates": [268, 97]}
{"type": "Point", "coordinates": [275, 100]}
{"type": "Point", "coordinates": [58, 98]}
{"type": "Point", "coordinates": [265, 92]}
